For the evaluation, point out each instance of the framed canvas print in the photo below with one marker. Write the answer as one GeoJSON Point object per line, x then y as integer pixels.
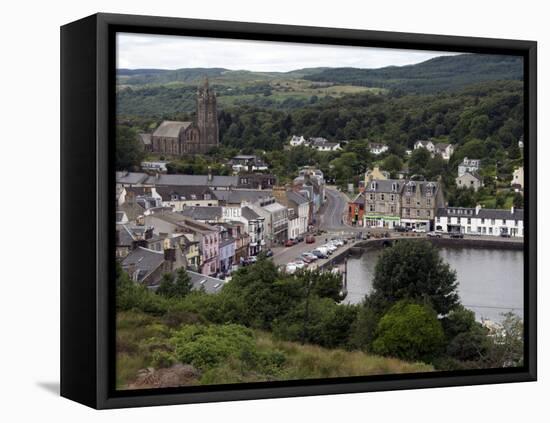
{"type": "Point", "coordinates": [257, 211]}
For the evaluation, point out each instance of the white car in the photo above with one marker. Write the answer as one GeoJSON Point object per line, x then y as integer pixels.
{"type": "Point", "coordinates": [291, 268]}
{"type": "Point", "coordinates": [419, 230]}
{"type": "Point", "coordinates": [337, 242]}
{"type": "Point", "coordinates": [331, 247]}
{"type": "Point", "coordinates": [310, 256]}
{"type": "Point", "coordinates": [299, 264]}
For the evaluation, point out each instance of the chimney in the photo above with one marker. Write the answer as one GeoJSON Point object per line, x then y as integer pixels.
{"type": "Point", "coordinates": [170, 254]}
{"type": "Point", "coordinates": [512, 210]}
{"type": "Point", "coordinates": [478, 208]}
{"type": "Point", "coordinates": [209, 174]}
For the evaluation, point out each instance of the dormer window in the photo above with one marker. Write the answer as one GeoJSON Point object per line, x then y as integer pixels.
{"type": "Point", "coordinates": [373, 186]}
{"type": "Point", "coordinates": [174, 197]}
{"type": "Point", "coordinates": [394, 186]}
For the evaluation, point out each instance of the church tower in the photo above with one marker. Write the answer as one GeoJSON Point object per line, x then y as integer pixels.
{"type": "Point", "coordinates": [207, 118]}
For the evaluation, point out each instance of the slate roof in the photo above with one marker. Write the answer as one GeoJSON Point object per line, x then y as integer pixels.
{"type": "Point", "coordinates": [205, 213]}
{"type": "Point", "coordinates": [144, 261]}
{"type": "Point", "coordinates": [193, 180]}
{"type": "Point", "coordinates": [207, 283]}
{"type": "Point", "coordinates": [199, 191]}
{"type": "Point", "coordinates": [274, 207]}
{"type": "Point", "coordinates": [296, 198]}
{"type": "Point", "coordinates": [422, 186]}
{"type": "Point", "coordinates": [170, 128]}
{"type": "Point", "coordinates": [125, 236]}
{"type": "Point", "coordinates": [249, 214]}
{"type": "Point", "coordinates": [240, 195]}
{"type": "Point", "coordinates": [483, 213]}
{"type": "Point", "coordinates": [385, 185]}
{"type": "Point", "coordinates": [474, 174]}
{"type": "Point", "coordinates": [130, 178]}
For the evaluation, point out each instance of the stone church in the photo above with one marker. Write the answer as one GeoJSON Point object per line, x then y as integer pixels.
{"type": "Point", "coordinates": [179, 138]}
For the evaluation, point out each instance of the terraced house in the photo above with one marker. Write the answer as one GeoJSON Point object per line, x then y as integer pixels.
{"type": "Point", "coordinates": [383, 203]}
{"type": "Point", "coordinates": [419, 203]}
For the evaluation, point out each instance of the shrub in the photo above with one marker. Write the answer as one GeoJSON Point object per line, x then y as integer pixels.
{"type": "Point", "coordinates": [410, 332]}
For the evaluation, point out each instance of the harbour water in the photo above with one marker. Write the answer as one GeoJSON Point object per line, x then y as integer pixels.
{"type": "Point", "coordinates": [490, 280]}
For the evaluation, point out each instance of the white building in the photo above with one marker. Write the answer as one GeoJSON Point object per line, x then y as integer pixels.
{"type": "Point", "coordinates": [377, 148]}
{"type": "Point", "coordinates": [480, 221]}
{"type": "Point", "coordinates": [154, 166]}
{"type": "Point", "coordinates": [445, 150]}
{"type": "Point", "coordinates": [295, 141]}
{"type": "Point", "coordinates": [517, 178]}
{"type": "Point", "coordinates": [468, 166]}
{"type": "Point", "coordinates": [428, 145]}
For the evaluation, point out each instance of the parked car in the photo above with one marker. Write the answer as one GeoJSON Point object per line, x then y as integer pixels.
{"type": "Point", "coordinates": [337, 242]}
{"type": "Point", "coordinates": [291, 268]}
{"type": "Point", "coordinates": [299, 238]}
{"type": "Point", "coordinates": [310, 256]}
{"type": "Point", "coordinates": [305, 259]}
{"type": "Point", "coordinates": [269, 253]}
{"type": "Point", "coordinates": [289, 243]}
{"type": "Point", "coordinates": [433, 235]}
{"type": "Point", "coordinates": [456, 235]}
{"type": "Point", "coordinates": [402, 229]}
{"type": "Point", "coordinates": [505, 235]}
{"type": "Point", "coordinates": [320, 254]}
{"type": "Point", "coordinates": [300, 264]}
{"type": "Point", "coordinates": [419, 230]}
{"type": "Point", "coordinates": [310, 239]}
{"type": "Point", "coordinates": [331, 247]}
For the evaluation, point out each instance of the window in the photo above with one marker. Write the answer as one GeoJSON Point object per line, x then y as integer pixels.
{"type": "Point", "coordinates": [371, 197]}
{"type": "Point", "coordinates": [371, 207]}
{"type": "Point", "coordinates": [418, 213]}
{"type": "Point", "coordinates": [392, 197]}
{"type": "Point", "coordinates": [392, 209]}
{"type": "Point", "coordinates": [515, 223]}
{"type": "Point", "coordinates": [429, 202]}
{"type": "Point", "coordinates": [382, 197]}
{"type": "Point", "coordinates": [469, 221]}
{"type": "Point", "coordinates": [490, 230]}
{"type": "Point", "coordinates": [492, 222]}
{"type": "Point", "coordinates": [438, 219]}
{"type": "Point", "coordinates": [408, 201]}
{"type": "Point", "coordinates": [482, 221]}
{"type": "Point", "coordinates": [503, 221]}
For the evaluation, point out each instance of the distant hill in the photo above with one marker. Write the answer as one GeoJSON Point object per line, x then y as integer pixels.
{"type": "Point", "coordinates": [442, 73]}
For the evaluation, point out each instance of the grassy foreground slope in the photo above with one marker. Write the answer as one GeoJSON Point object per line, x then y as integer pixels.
{"type": "Point", "coordinates": [175, 353]}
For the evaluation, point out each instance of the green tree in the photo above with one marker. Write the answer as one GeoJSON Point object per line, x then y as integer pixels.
{"type": "Point", "coordinates": [128, 153]}
{"type": "Point", "coordinates": [413, 270]}
{"type": "Point", "coordinates": [518, 200]}
{"type": "Point", "coordinates": [392, 164]}
{"type": "Point", "coordinates": [410, 332]}
{"type": "Point", "coordinates": [506, 350]}
{"type": "Point", "coordinates": [175, 287]}
{"type": "Point", "coordinates": [418, 161]}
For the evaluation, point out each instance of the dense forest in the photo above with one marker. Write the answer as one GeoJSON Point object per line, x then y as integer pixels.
{"type": "Point", "coordinates": [444, 73]}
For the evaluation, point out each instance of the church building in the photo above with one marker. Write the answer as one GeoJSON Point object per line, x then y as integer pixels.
{"type": "Point", "coordinates": [179, 138]}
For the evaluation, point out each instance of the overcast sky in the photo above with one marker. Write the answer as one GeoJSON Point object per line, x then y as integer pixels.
{"type": "Point", "coordinates": [135, 51]}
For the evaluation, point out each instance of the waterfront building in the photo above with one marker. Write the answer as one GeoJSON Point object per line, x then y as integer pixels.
{"type": "Point", "coordinates": [356, 210]}
{"type": "Point", "coordinates": [480, 221]}
{"type": "Point", "coordinates": [382, 203]}
{"type": "Point", "coordinates": [419, 202]}
{"type": "Point", "coordinates": [517, 179]}
{"type": "Point", "coordinates": [377, 148]}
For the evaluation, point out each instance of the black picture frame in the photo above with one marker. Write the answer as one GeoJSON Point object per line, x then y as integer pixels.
{"type": "Point", "coordinates": [87, 231]}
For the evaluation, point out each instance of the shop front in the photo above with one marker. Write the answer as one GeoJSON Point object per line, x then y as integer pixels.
{"type": "Point", "coordinates": [381, 221]}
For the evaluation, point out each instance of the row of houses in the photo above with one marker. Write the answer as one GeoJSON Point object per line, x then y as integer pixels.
{"type": "Point", "coordinates": [317, 143]}
{"type": "Point", "coordinates": [167, 222]}
{"type": "Point", "coordinates": [393, 203]}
